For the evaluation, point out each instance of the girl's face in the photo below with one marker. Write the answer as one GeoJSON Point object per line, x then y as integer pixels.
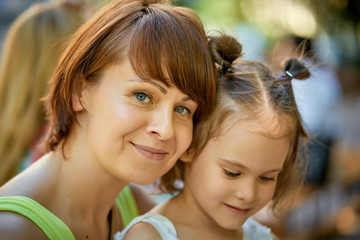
{"type": "Point", "coordinates": [235, 175]}
{"type": "Point", "coordinates": [135, 129]}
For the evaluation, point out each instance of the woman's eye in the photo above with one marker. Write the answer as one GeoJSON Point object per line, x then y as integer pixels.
{"type": "Point", "coordinates": [182, 110]}
{"type": "Point", "coordinates": [230, 174]}
{"type": "Point", "coordinates": [267, 179]}
{"type": "Point", "coordinates": [142, 97]}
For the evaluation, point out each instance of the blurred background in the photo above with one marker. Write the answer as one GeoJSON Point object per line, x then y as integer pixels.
{"type": "Point", "coordinates": [328, 33]}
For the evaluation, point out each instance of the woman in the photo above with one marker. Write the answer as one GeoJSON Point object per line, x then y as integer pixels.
{"type": "Point", "coordinates": [124, 97]}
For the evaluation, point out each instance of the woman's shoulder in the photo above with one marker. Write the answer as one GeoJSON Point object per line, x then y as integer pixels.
{"type": "Point", "coordinates": [149, 226]}
{"type": "Point", "coordinates": [24, 218]}
{"type": "Point", "coordinates": [254, 230]}
{"type": "Point", "coordinates": [16, 199]}
{"type": "Point", "coordinates": [31, 182]}
{"type": "Point", "coordinates": [15, 226]}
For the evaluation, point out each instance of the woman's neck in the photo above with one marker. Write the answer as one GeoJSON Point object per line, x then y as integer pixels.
{"type": "Point", "coordinates": [86, 193]}
{"type": "Point", "coordinates": [85, 186]}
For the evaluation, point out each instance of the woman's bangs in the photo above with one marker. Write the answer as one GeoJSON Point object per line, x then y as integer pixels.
{"type": "Point", "coordinates": [170, 54]}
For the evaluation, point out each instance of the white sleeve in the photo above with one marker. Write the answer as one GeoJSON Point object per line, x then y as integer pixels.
{"type": "Point", "coordinates": [162, 224]}
{"type": "Point", "coordinates": [253, 230]}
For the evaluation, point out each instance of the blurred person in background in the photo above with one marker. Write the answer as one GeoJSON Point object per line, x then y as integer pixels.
{"type": "Point", "coordinates": [30, 52]}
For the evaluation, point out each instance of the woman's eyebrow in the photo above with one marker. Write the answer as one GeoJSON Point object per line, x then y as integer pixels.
{"type": "Point", "coordinates": [162, 90]}
{"type": "Point", "coordinates": [186, 99]}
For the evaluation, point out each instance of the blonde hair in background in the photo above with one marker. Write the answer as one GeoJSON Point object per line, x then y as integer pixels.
{"type": "Point", "coordinates": [30, 53]}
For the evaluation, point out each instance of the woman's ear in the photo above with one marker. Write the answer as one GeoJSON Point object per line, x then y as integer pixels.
{"type": "Point", "coordinates": [78, 101]}
{"type": "Point", "coordinates": [186, 157]}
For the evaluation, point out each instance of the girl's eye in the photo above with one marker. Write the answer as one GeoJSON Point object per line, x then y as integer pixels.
{"type": "Point", "coordinates": [231, 174]}
{"type": "Point", "coordinates": [142, 97]}
{"type": "Point", "coordinates": [267, 179]}
{"type": "Point", "coordinates": [182, 110]}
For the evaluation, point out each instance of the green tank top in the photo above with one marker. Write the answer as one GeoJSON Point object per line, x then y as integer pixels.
{"type": "Point", "coordinates": [52, 226]}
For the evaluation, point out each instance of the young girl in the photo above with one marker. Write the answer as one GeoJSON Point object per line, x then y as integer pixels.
{"type": "Point", "coordinates": [121, 106]}
{"type": "Point", "coordinates": [241, 158]}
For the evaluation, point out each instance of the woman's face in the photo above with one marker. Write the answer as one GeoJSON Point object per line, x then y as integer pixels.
{"type": "Point", "coordinates": [135, 129]}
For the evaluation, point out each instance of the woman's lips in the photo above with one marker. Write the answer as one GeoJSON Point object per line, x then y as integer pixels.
{"type": "Point", "coordinates": [149, 152]}
{"type": "Point", "coordinates": [237, 211]}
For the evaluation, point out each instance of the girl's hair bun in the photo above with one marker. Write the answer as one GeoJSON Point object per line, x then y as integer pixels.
{"type": "Point", "coordinates": [294, 68]}
{"type": "Point", "coordinates": [225, 50]}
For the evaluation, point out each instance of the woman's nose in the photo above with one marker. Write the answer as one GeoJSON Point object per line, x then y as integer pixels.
{"type": "Point", "coordinates": [162, 123]}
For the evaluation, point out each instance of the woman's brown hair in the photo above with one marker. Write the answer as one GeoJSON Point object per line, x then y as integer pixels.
{"type": "Point", "coordinates": [163, 42]}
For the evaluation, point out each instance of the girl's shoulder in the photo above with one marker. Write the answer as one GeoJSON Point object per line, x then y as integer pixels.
{"type": "Point", "coordinates": [153, 225]}
{"type": "Point", "coordinates": [254, 230]}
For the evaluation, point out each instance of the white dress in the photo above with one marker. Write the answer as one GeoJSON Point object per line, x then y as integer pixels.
{"type": "Point", "coordinates": [252, 230]}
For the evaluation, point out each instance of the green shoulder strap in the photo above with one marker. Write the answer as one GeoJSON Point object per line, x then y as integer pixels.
{"type": "Point", "coordinates": [52, 226]}
{"type": "Point", "coordinates": [127, 206]}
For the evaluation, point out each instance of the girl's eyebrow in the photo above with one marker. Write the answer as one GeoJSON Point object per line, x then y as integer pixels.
{"type": "Point", "coordinates": [234, 163]}
{"type": "Point", "coordinates": [239, 165]}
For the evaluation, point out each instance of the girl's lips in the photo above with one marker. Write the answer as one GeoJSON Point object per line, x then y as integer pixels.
{"type": "Point", "coordinates": [237, 211]}
{"type": "Point", "coordinates": [149, 152]}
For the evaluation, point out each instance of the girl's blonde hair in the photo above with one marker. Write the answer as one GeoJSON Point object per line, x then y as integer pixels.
{"type": "Point", "coordinates": [30, 53]}
{"type": "Point", "coordinates": [247, 92]}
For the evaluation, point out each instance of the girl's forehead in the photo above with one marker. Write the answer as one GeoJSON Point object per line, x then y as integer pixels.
{"type": "Point", "coordinates": [243, 144]}
{"type": "Point", "coordinates": [269, 126]}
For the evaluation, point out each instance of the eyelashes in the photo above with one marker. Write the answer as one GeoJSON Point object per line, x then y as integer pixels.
{"type": "Point", "coordinates": [142, 97]}
{"type": "Point", "coordinates": [182, 110]}
{"type": "Point", "coordinates": [231, 174]}
{"type": "Point", "coordinates": [267, 179]}
{"type": "Point", "coordinates": [145, 98]}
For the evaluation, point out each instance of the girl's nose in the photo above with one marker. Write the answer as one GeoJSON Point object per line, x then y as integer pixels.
{"type": "Point", "coordinates": [246, 191]}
